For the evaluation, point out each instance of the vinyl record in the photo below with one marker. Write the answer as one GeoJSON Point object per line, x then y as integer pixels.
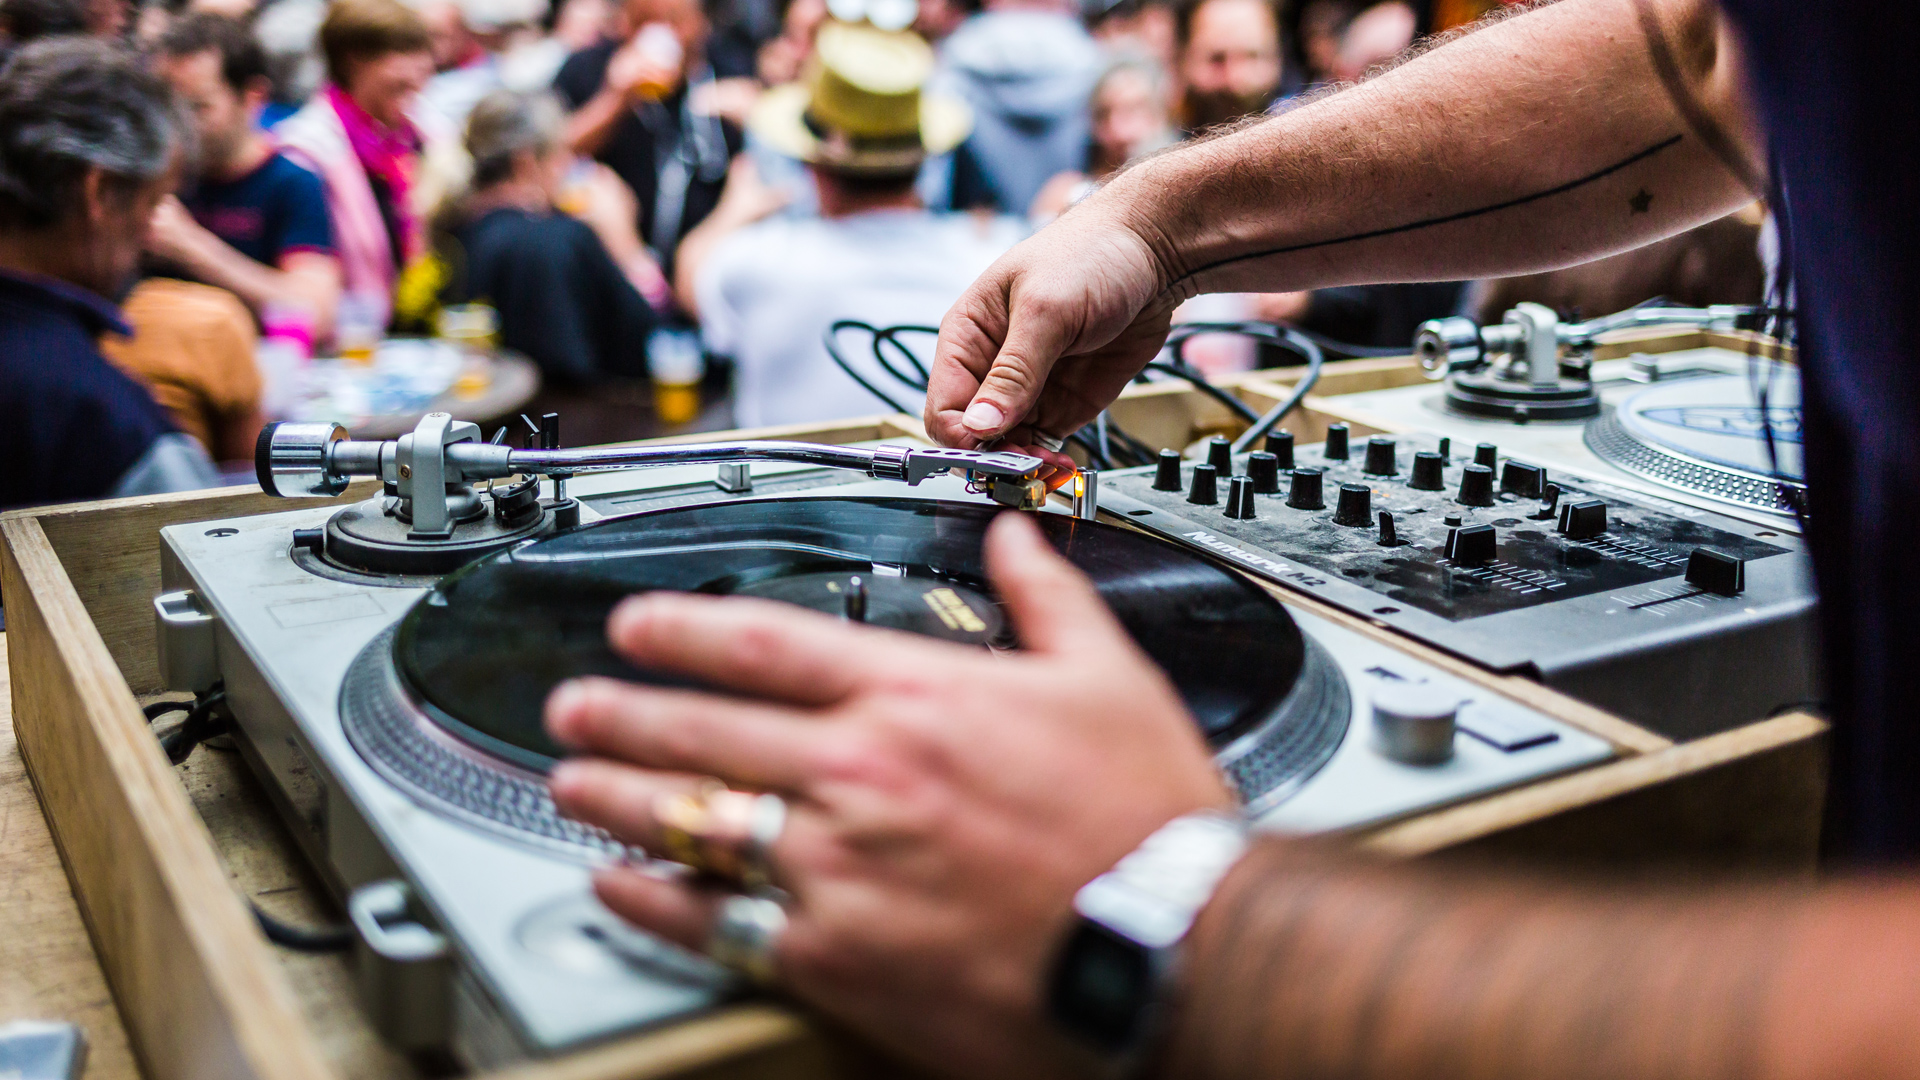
{"type": "Point", "coordinates": [449, 705]}
{"type": "Point", "coordinates": [489, 643]}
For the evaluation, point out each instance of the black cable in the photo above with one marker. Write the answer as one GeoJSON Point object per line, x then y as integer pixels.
{"type": "Point", "coordinates": [200, 725]}
{"type": "Point", "coordinates": [833, 351]}
{"type": "Point", "coordinates": [1315, 359]}
{"type": "Point", "coordinates": [1346, 350]}
{"type": "Point", "coordinates": [308, 939]}
{"type": "Point", "coordinates": [161, 708]}
{"type": "Point", "coordinates": [891, 336]}
{"type": "Point", "coordinates": [1200, 383]}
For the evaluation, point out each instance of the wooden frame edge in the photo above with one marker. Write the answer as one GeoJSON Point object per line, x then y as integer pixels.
{"type": "Point", "coordinates": [187, 964]}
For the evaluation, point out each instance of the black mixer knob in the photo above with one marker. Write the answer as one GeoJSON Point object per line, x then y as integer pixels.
{"type": "Point", "coordinates": [1476, 485]}
{"type": "Point", "coordinates": [1336, 448]}
{"type": "Point", "coordinates": [1526, 481]}
{"type": "Point", "coordinates": [1355, 506]}
{"type": "Point", "coordinates": [1428, 472]}
{"type": "Point", "coordinates": [1471, 545]}
{"type": "Point", "coordinates": [1305, 492]}
{"type": "Point", "coordinates": [1582, 519]}
{"type": "Point", "coordinates": [1166, 476]}
{"type": "Point", "coordinates": [1714, 571]}
{"type": "Point", "coordinates": [1280, 445]}
{"type": "Point", "coordinates": [1264, 470]}
{"type": "Point", "coordinates": [1220, 455]}
{"type": "Point", "coordinates": [1380, 451]}
{"type": "Point", "coordinates": [1486, 454]}
{"type": "Point", "coordinates": [1202, 492]}
{"type": "Point", "coordinates": [1389, 535]}
{"type": "Point", "coordinates": [1240, 498]}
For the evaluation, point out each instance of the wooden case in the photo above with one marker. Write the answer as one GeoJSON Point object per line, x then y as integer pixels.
{"type": "Point", "coordinates": [162, 861]}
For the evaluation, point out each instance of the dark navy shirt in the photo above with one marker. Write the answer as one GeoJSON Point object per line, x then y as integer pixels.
{"type": "Point", "coordinates": [71, 424]}
{"type": "Point", "coordinates": [1840, 93]}
{"type": "Point", "coordinates": [273, 211]}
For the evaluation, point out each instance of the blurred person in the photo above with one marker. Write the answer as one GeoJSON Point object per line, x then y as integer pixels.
{"type": "Point", "coordinates": [1231, 61]}
{"type": "Point", "coordinates": [22, 21]}
{"type": "Point", "coordinates": [569, 292]}
{"type": "Point", "coordinates": [1145, 26]}
{"type": "Point", "coordinates": [475, 52]}
{"type": "Point", "coordinates": [192, 347]}
{"type": "Point", "coordinates": [936, 20]}
{"type": "Point", "coordinates": [1130, 115]}
{"type": "Point", "coordinates": [88, 148]}
{"type": "Point", "coordinates": [1373, 37]}
{"type": "Point", "coordinates": [371, 144]}
{"type": "Point", "coordinates": [289, 31]}
{"type": "Point", "coordinates": [782, 59]}
{"type": "Point", "coordinates": [944, 808]}
{"type": "Point", "coordinates": [1025, 67]}
{"type": "Point", "coordinates": [633, 109]}
{"type": "Point", "coordinates": [251, 220]}
{"type": "Point", "coordinates": [1322, 25]}
{"type": "Point", "coordinates": [766, 291]}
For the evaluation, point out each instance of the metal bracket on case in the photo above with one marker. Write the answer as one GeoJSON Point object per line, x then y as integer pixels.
{"type": "Point", "coordinates": [404, 969]}
{"type": "Point", "coordinates": [184, 636]}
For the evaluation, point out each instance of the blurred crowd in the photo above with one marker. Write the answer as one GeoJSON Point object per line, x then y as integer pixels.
{"type": "Point", "coordinates": [196, 196]}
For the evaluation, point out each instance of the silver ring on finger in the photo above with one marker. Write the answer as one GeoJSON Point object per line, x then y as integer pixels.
{"type": "Point", "coordinates": [766, 821]}
{"type": "Point", "coordinates": [746, 936]}
{"type": "Point", "coordinates": [1048, 442]}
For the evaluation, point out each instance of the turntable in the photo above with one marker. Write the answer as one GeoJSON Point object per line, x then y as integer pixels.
{"type": "Point", "coordinates": [392, 701]}
{"type": "Point", "coordinates": [1713, 426]}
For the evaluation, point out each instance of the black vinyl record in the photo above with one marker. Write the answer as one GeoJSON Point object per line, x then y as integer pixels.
{"type": "Point", "coordinates": [480, 653]}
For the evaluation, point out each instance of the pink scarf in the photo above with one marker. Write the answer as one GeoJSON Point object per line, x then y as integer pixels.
{"type": "Point", "coordinates": [390, 154]}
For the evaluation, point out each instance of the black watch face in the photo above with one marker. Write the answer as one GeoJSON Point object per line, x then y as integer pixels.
{"type": "Point", "coordinates": [1101, 987]}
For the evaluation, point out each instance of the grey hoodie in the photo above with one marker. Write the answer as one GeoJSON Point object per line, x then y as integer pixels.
{"type": "Point", "coordinates": [1027, 75]}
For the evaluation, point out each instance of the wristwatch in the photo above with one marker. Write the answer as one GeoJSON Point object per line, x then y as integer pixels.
{"type": "Point", "coordinates": [1111, 973]}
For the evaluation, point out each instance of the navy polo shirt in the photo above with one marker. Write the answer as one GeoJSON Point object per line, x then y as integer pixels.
{"type": "Point", "coordinates": [74, 423]}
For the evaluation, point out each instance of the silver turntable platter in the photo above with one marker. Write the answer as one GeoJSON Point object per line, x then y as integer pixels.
{"type": "Point", "coordinates": [1710, 436]}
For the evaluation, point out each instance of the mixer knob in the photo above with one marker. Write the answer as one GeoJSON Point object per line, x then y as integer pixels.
{"type": "Point", "coordinates": [1264, 470]}
{"type": "Point", "coordinates": [1522, 479]}
{"type": "Point", "coordinates": [1414, 723]}
{"type": "Point", "coordinates": [1280, 445]}
{"type": "Point", "coordinates": [1220, 455]}
{"type": "Point", "coordinates": [1583, 518]}
{"type": "Point", "coordinates": [1428, 472]}
{"type": "Point", "coordinates": [1380, 451]}
{"type": "Point", "coordinates": [1355, 506]}
{"type": "Point", "coordinates": [1203, 493]}
{"type": "Point", "coordinates": [1476, 485]}
{"type": "Point", "coordinates": [1446, 449]}
{"type": "Point", "coordinates": [1716, 571]}
{"type": "Point", "coordinates": [1336, 448]}
{"type": "Point", "coordinates": [1471, 545]}
{"type": "Point", "coordinates": [1304, 494]}
{"type": "Point", "coordinates": [1389, 536]}
{"type": "Point", "coordinates": [1240, 498]}
{"type": "Point", "coordinates": [1486, 454]}
{"type": "Point", "coordinates": [1166, 475]}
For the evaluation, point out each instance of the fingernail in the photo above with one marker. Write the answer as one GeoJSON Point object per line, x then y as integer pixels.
{"type": "Point", "coordinates": [562, 780]}
{"type": "Point", "coordinates": [983, 416]}
{"type": "Point", "coordinates": [561, 706]}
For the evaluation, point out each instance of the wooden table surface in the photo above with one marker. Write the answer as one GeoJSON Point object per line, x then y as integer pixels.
{"type": "Point", "coordinates": [47, 967]}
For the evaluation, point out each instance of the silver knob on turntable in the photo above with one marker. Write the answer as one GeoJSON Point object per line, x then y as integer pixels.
{"type": "Point", "coordinates": [1413, 722]}
{"type": "Point", "coordinates": [291, 459]}
{"type": "Point", "coordinates": [1447, 345]}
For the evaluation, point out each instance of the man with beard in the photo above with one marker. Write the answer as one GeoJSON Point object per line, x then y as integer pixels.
{"type": "Point", "coordinates": [1230, 61]}
{"type": "Point", "coordinates": [252, 221]}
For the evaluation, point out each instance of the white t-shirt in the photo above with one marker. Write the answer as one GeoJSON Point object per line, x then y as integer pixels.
{"type": "Point", "coordinates": [770, 291]}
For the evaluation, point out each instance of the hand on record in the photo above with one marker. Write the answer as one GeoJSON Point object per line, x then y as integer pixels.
{"type": "Point", "coordinates": [1050, 334]}
{"type": "Point", "coordinates": [945, 803]}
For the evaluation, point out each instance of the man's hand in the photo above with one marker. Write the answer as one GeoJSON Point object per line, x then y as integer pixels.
{"type": "Point", "coordinates": [172, 233]}
{"type": "Point", "coordinates": [945, 803]}
{"type": "Point", "coordinates": [1050, 334]}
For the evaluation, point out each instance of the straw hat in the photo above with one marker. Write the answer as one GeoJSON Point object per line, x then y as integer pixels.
{"type": "Point", "coordinates": [860, 106]}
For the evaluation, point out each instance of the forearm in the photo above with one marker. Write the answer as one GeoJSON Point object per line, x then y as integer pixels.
{"type": "Point", "coordinates": [1312, 964]}
{"type": "Point", "coordinates": [1545, 140]}
{"type": "Point", "coordinates": [211, 260]}
{"type": "Point", "coordinates": [592, 123]}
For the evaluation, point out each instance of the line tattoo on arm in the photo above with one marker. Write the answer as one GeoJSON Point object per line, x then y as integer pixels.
{"type": "Point", "coordinates": [1446, 219]}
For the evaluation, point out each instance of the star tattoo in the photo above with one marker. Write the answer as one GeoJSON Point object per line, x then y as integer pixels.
{"type": "Point", "coordinates": [1641, 201]}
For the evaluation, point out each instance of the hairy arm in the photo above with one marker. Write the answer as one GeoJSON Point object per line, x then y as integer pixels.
{"type": "Point", "coordinates": [1550, 138]}
{"type": "Point", "coordinates": [1308, 963]}
{"type": "Point", "coordinates": [307, 278]}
